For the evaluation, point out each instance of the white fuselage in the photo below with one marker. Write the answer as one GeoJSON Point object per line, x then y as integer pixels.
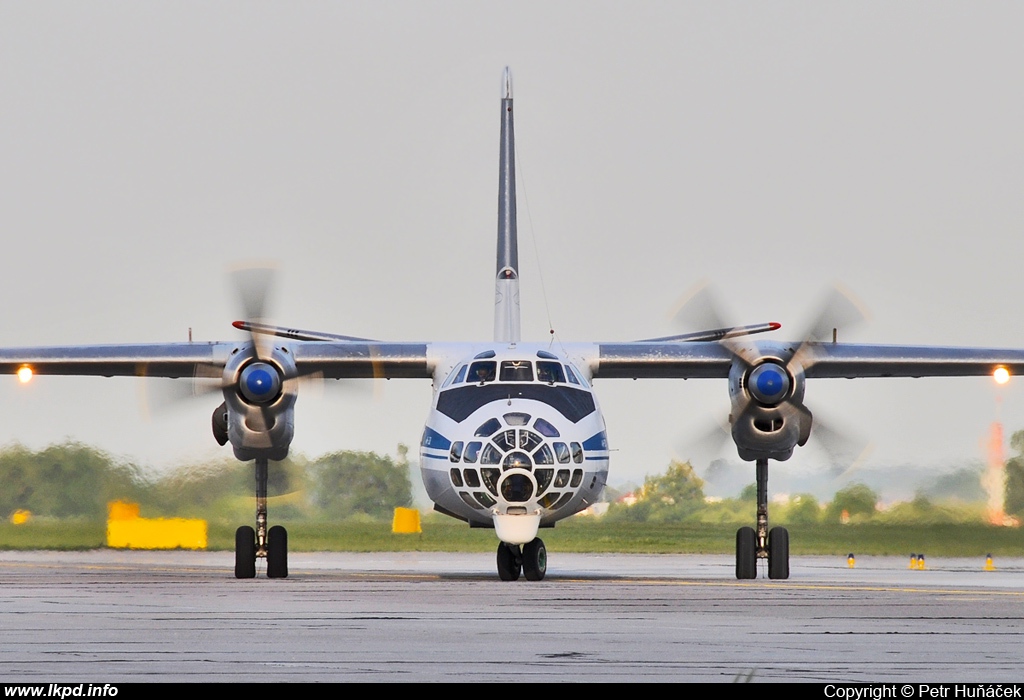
{"type": "Point", "coordinates": [514, 431]}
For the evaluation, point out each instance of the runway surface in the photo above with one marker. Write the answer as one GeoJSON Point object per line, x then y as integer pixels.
{"type": "Point", "coordinates": [109, 616]}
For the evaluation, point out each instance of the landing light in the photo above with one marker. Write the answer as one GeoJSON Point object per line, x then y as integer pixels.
{"type": "Point", "coordinates": [1001, 375]}
{"type": "Point", "coordinates": [25, 375]}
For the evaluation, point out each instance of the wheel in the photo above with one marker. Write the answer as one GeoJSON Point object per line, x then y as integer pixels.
{"type": "Point", "coordinates": [277, 552]}
{"type": "Point", "coordinates": [245, 552]}
{"type": "Point", "coordinates": [509, 562]}
{"type": "Point", "coordinates": [778, 553]}
{"type": "Point", "coordinates": [746, 553]}
{"type": "Point", "coordinates": [535, 560]}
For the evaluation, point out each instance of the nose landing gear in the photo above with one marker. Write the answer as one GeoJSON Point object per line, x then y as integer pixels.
{"type": "Point", "coordinates": [772, 545]}
{"type": "Point", "coordinates": [530, 560]}
{"type": "Point", "coordinates": [259, 543]}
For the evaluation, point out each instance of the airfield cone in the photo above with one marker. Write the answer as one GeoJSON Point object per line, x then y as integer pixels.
{"type": "Point", "coordinates": [913, 561]}
{"type": "Point", "coordinates": [850, 560]}
{"type": "Point", "coordinates": [920, 562]}
{"type": "Point", "coordinates": [989, 566]}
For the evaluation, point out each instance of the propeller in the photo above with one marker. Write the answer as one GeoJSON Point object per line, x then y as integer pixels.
{"type": "Point", "coordinates": [252, 287]}
{"type": "Point", "coordinates": [254, 379]}
{"type": "Point", "coordinates": [768, 417]}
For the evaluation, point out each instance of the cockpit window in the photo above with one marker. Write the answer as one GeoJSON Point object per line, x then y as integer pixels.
{"type": "Point", "coordinates": [516, 371]}
{"type": "Point", "coordinates": [573, 372]}
{"type": "Point", "coordinates": [491, 455]}
{"type": "Point", "coordinates": [455, 454]}
{"type": "Point", "coordinates": [482, 372]}
{"type": "Point", "coordinates": [528, 441]}
{"type": "Point", "coordinates": [506, 440]}
{"type": "Point", "coordinates": [562, 452]}
{"type": "Point", "coordinates": [455, 377]}
{"type": "Point", "coordinates": [545, 428]}
{"type": "Point", "coordinates": [550, 372]}
{"type": "Point", "coordinates": [451, 377]}
{"type": "Point", "coordinates": [489, 428]}
{"type": "Point", "coordinates": [517, 418]}
{"type": "Point", "coordinates": [571, 375]}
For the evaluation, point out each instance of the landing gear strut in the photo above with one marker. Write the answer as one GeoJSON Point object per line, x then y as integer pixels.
{"type": "Point", "coordinates": [772, 545]}
{"type": "Point", "coordinates": [530, 560]}
{"type": "Point", "coordinates": [252, 544]}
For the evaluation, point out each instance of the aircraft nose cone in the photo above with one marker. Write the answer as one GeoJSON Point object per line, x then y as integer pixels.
{"type": "Point", "coordinates": [769, 383]}
{"type": "Point", "coordinates": [259, 382]}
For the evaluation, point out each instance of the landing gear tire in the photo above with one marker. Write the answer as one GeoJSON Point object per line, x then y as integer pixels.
{"type": "Point", "coordinates": [535, 560]}
{"type": "Point", "coordinates": [277, 552]}
{"type": "Point", "coordinates": [778, 553]}
{"type": "Point", "coordinates": [510, 562]}
{"type": "Point", "coordinates": [746, 553]}
{"type": "Point", "coordinates": [245, 552]}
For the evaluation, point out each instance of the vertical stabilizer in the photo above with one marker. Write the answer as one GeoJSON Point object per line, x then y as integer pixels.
{"type": "Point", "coordinates": [506, 285]}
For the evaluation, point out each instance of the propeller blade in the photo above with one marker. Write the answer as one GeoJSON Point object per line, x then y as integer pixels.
{"type": "Point", "coordinates": [845, 452]}
{"type": "Point", "coordinates": [699, 309]}
{"type": "Point", "coordinates": [709, 442]}
{"type": "Point", "coordinates": [161, 395]}
{"type": "Point", "coordinates": [253, 286]}
{"type": "Point", "coordinates": [840, 309]}
{"type": "Point", "coordinates": [315, 385]}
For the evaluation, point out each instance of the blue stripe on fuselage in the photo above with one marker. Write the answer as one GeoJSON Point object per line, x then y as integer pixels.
{"type": "Point", "coordinates": [597, 442]}
{"type": "Point", "coordinates": [435, 440]}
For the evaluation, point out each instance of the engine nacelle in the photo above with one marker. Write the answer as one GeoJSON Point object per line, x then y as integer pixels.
{"type": "Point", "coordinates": [219, 423]}
{"type": "Point", "coordinates": [768, 418]}
{"type": "Point", "coordinates": [260, 395]}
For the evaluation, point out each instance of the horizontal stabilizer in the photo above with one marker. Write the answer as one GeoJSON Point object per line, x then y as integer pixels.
{"type": "Point", "coordinates": [294, 333]}
{"type": "Point", "coordinates": [717, 334]}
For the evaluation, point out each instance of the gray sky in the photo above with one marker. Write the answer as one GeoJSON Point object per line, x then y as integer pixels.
{"type": "Point", "coordinates": [771, 149]}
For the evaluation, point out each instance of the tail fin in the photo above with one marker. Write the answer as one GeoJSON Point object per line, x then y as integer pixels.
{"type": "Point", "coordinates": [506, 285]}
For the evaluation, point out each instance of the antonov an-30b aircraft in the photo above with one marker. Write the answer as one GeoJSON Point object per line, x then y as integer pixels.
{"type": "Point", "coordinates": [514, 439]}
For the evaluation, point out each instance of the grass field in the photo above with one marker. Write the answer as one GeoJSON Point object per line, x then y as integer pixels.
{"type": "Point", "coordinates": [574, 535]}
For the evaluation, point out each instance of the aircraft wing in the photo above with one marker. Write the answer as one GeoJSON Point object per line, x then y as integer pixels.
{"type": "Point", "coordinates": [819, 360]}
{"type": "Point", "coordinates": [849, 361]}
{"type": "Point", "coordinates": [334, 360]}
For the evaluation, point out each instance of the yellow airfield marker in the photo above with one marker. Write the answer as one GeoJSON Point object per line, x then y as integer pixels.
{"type": "Point", "coordinates": [406, 522]}
{"type": "Point", "coordinates": [20, 517]}
{"type": "Point", "coordinates": [913, 561]}
{"type": "Point", "coordinates": [989, 566]}
{"type": "Point", "coordinates": [126, 530]}
{"type": "Point", "coordinates": [850, 561]}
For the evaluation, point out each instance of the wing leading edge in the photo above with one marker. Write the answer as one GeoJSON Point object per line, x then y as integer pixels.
{"type": "Point", "coordinates": [335, 360]}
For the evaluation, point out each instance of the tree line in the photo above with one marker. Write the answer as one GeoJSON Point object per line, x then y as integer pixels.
{"type": "Point", "coordinates": [678, 496]}
{"type": "Point", "coordinates": [73, 480]}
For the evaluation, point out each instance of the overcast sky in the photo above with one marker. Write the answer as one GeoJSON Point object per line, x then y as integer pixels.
{"type": "Point", "coordinates": [771, 149]}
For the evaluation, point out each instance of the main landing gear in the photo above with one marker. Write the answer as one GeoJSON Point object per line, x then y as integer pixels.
{"type": "Point", "coordinates": [772, 545]}
{"type": "Point", "coordinates": [252, 544]}
{"type": "Point", "coordinates": [531, 559]}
